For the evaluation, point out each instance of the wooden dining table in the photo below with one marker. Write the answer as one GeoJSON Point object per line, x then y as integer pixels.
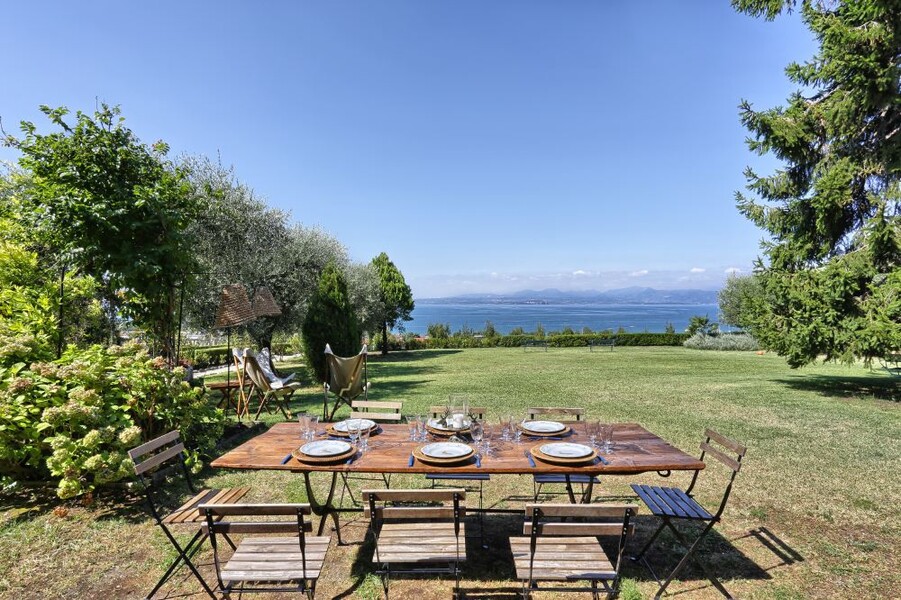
{"type": "Point", "coordinates": [635, 450]}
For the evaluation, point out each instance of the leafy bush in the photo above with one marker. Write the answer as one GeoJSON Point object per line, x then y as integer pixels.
{"type": "Point", "coordinates": [75, 419]}
{"type": "Point", "coordinates": [723, 341]}
{"type": "Point", "coordinates": [330, 319]}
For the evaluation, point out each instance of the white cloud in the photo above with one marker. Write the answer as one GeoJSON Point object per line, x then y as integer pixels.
{"type": "Point", "coordinates": [581, 273]}
{"type": "Point", "coordinates": [697, 270]}
{"type": "Point", "coordinates": [732, 271]}
{"type": "Point", "coordinates": [640, 273]}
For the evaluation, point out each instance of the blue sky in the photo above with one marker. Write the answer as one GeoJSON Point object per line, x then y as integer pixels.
{"type": "Point", "coordinates": [485, 146]}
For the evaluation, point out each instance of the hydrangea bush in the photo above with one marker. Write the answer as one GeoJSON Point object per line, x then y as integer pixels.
{"type": "Point", "coordinates": [75, 419]}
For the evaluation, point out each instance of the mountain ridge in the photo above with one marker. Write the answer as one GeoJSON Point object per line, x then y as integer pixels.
{"type": "Point", "coordinates": [628, 295]}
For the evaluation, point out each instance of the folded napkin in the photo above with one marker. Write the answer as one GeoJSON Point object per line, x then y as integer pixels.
{"type": "Point", "coordinates": [410, 462]}
{"type": "Point", "coordinates": [531, 460]}
{"type": "Point", "coordinates": [286, 459]}
{"type": "Point", "coordinates": [603, 460]}
{"type": "Point", "coordinates": [478, 461]}
{"type": "Point", "coordinates": [352, 458]}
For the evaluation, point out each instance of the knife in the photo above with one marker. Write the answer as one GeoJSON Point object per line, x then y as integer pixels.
{"type": "Point", "coordinates": [531, 460]}
{"type": "Point", "coordinates": [286, 459]}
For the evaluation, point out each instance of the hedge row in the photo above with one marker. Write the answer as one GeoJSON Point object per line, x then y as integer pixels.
{"type": "Point", "coordinates": [554, 341]}
{"type": "Point", "coordinates": [201, 357]}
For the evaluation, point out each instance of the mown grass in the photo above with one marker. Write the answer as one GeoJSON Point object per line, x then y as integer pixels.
{"type": "Point", "coordinates": [814, 512]}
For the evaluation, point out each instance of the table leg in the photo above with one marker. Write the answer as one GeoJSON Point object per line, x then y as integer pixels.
{"type": "Point", "coordinates": [569, 490]}
{"type": "Point", "coordinates": [325, 509]}
{"type": "Point", "coordinates": [589, 491]}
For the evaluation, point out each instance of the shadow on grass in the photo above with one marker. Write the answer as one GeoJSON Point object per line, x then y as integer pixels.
{"type": "Point", "coordinates": [880, 387]}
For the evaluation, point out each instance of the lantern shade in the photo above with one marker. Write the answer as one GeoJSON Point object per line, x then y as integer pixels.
{"type": "Point", "coordinates": [264, 305]}
{"type": "Point", "coordinates": [234, 307]}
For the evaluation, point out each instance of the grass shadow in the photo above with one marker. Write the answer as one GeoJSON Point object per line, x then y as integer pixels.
{"type": "Point", "coordinates": [877, 386]}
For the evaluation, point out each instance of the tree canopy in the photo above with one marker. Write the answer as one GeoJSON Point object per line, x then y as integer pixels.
{"type": "Point", "coordinates": [395, 296]}
{"type": "Point", "coordinates": [331, 319]}
{"type": "Point", "coordinates": [114, 207]}
{"type": "Point", "coordinates": [830, 279]}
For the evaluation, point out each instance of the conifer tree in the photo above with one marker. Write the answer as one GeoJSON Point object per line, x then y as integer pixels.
{"type": "Point", "coordinates": [330, 320]}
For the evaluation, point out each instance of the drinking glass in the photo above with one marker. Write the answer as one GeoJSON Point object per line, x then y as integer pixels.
{"type": "Point", "coordinates": [353, 431]}
{"type": "Point", "coordinates": [304, 420]}
{"type": "Point", "coordinates": [505, 427]}
{"type": "Point", "coordinates": [476, 431]}
{"type": "Point", "coordinates": [421, 432]}
{"type": "Point", "coordinates": [313, 427]}
{"type": "Point", "coordinates": [517, 429]}
{"type": "Point", "coordinates": [607, 437]}
{"type": "Point", "coordinates": [363, 434]}
{"type": "Point", "coordinates": [592, 429]}
{"type": "Point", "coordinates": [488, 432]}
{"type": "Point", "coordinates": [414, 427]}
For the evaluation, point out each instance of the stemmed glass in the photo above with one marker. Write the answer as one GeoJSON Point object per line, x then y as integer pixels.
{"type": "Point", "coordinates": [476, 430]}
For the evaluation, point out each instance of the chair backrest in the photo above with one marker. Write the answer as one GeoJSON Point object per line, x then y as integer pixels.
{"type": "Point", "coordinates": [347, 375]}
{"type": "Point", "coordinates": [166, 450]}
{"type": "Point", "coordinates": [594, 520]}
{"type": "Point", "coordinates": [388, 505]}
{"type": "Point", "coordinates": [557, 411]}
{"type": "Point", "coordinates": [476, 411]}
{"type": "Point", "coordinates": [377, 411]}
{"type": "Point", "coordinates": [723, 449]}
{"type": "Point", "coordinates": [219, 521]}
{"type": "Point", "coordinates": [264, 359]}
{"type": "Point", "coordinates": [257, 376]}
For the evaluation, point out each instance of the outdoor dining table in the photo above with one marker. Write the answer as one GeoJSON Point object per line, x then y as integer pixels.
{"type": "Point", "coordinates": [636, 450]}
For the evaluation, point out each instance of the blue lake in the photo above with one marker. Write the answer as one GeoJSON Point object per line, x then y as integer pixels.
{"type": "Point", "coordinates": [554, 317]}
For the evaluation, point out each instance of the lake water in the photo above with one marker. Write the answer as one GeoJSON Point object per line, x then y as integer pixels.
{"type": "Point", "coordinates": [634, 318]}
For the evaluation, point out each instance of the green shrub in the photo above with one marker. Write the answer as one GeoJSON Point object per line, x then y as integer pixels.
{"type": "Point", "coordinates": [74, 419]}
{"type": "Point", "coordinates": [330, 319]}
{"type": "Point", "coordinates": [723, 341]}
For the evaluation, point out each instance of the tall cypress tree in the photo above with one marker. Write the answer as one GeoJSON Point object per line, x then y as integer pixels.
{"type": "Point", "coordinates": [330, 320]}
{"type": "Point", "coordinates": [831, 277]}
{"type": "Point", "coordinates": [395, 295]}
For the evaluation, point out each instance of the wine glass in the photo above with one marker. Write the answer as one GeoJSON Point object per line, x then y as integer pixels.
{"type": "Point", "coordinates": [476, 431]}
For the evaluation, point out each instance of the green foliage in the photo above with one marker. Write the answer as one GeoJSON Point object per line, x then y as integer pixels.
{"type": "Point", "coordinates": [740, 300]}
{"type": "Point", "coordinates": [439, 331]}
{"type": "Point", "coordinates": [74, 419]}
{"type": "Point", "coordinates": [395, 295]}
{"type": "Point", "coordinates": [115, 207]}
{"type": "Point", "coordinates": [703, 325]}
{"type": "Point", "coordinates": [833, 211]}
{"type": "Point", "coordinates": [330, 320]}
{"type": "Point", "coordinates": [468, 340]}
{"type": "Point", "coordinates": [669, 328]}
{"type": "Point", "coordinates": [722, 341]}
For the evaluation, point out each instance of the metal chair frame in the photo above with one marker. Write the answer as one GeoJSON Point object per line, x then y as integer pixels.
{"type": "Point", "coordinates": [539, 481]}
{"type": "Point", "coordinates": [175, 451]}
{"type": "Point", "coordinates": [667, 503]}
{"type": "Point", "coordinates": [363, 408]}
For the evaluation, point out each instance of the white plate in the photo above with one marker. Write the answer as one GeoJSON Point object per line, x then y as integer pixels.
{"type": "Point", "coordinates": [565, 450]}
{"type": "Point", "coordinates": [325, 448]}
{"type": "Point", "coordinates": [363, 424]}
{"type": "Point", "coordinates": [543, 426]}
{"type": "Point", "coordinates": [446, 450]}
{"type": "Point", "coordinates": [439, 424]}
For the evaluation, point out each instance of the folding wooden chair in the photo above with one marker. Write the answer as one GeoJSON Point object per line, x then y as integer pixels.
{"type": "Point", "coordinates": [570, 551]}
{"type": "Point", "coordinates": [672, 504]}
{"type": "Point", "coordinates": [169, 450]}
{"type": "Point", "coordinates": [266, 390]}
{"type": "Point", "coordinates": [539, 481]}
{"type": "Point", "coordinates": [266, 564]}
{"type": "Point", "coordinates": [476, 480]}
{"type": "Point", "coordinates": [411, 536]}
{"type": "Point", "coordinates": [380, 412]}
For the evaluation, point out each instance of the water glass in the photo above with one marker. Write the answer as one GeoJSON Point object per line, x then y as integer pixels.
{"type": "Point", "coordinates": [414, 427]}
{"type": "Point", "coordinates": [363, 435]}
{"type": "Point", "coordinates": [505, 432]}
{"type": "Point", "coordinates": [353, 431]}
{"type": "Point", "coordinates": [313, 427]}
{"type": "Point", "coordinates": [304, 420]}
{"type": "Point", "coordinates": [592, 429]}
{"type": "Point", "coordinates": [488, 435]}
{"type": "Point", "coordinates": [517, 429]}
{"type": "Point", "coordinates": [607, 437]}
{"type": "Point", "coordinates": [423, 433]}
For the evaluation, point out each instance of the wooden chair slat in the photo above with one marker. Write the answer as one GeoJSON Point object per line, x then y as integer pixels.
{"type": "Point", "coordinates": [657, 506]}
{"type": "Point", "coordinates": [255, 509]}
{"type": "Point", "coordinates": [377, 404]}
{"type": "Point", "coordinates": [582, 510]}
{"type": "Point", "coordinates": [408, 495]}
{"type": "Point", "coordinates": [376, 416]}
{"type": "Point", "coordinates": [158, 459]}
{"type": "Point", "coordinates": [266, 527]}
{"type": "Point", "coordinates": [579, 529]}
{"type": "Point", "coordinates": [154, 444]}
{"type": "Point", "coordinates": [726, 460]}
{"type": "Point", "coordinates": [558, 410]}
{"type": "Point", "coordinates": [413, 512]}
{"type": "Point", "coordinates": [478, 411]}
{"type": "Point", "coordinates": [233, 576]}
{"type": "Point", "coordinates": [729, 443]}
{"type": "Point", "coordinates": [689, 504]}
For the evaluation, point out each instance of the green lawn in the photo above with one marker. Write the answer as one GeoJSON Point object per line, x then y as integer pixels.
{"type": "Point", "coordinates": [814, 512]}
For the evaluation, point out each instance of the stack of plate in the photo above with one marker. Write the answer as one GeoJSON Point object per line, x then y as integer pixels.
{"type": "Point", "coordinates": [342, 428]}
{"type": "Point", "coordinates": [324, 451]}
{"type": "Point", "coordinates": [564, 453]}
{"type": "Point", "coordinates": [443, 453]}
{"type": "Point", "coordinates": [544, 428]}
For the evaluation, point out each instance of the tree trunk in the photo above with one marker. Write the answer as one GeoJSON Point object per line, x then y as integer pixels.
{"type": "Point", "coordinates": [384, 337]}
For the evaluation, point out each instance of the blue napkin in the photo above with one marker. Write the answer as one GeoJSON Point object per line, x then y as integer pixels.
{"type": "Point", "coordinates": [410, 462]}
{"type": "Point", "coordinates": [478, 461]}
{"type": "Point", "coordinates": [351, 459]}
{"type": "Point", "coordinates": [531, 461]}
{"type": "Point", "coordinates": [603, 460]}
{"type": "Point", "coordinates": [286, 459]}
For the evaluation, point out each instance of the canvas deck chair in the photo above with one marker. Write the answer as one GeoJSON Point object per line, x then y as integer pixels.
{"type": "Point", "coordinates": [673, 504]}
{"type": "Point", "coordinates": [266, 390]}
{"type": "Point", "coordinates": [347, 380]}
